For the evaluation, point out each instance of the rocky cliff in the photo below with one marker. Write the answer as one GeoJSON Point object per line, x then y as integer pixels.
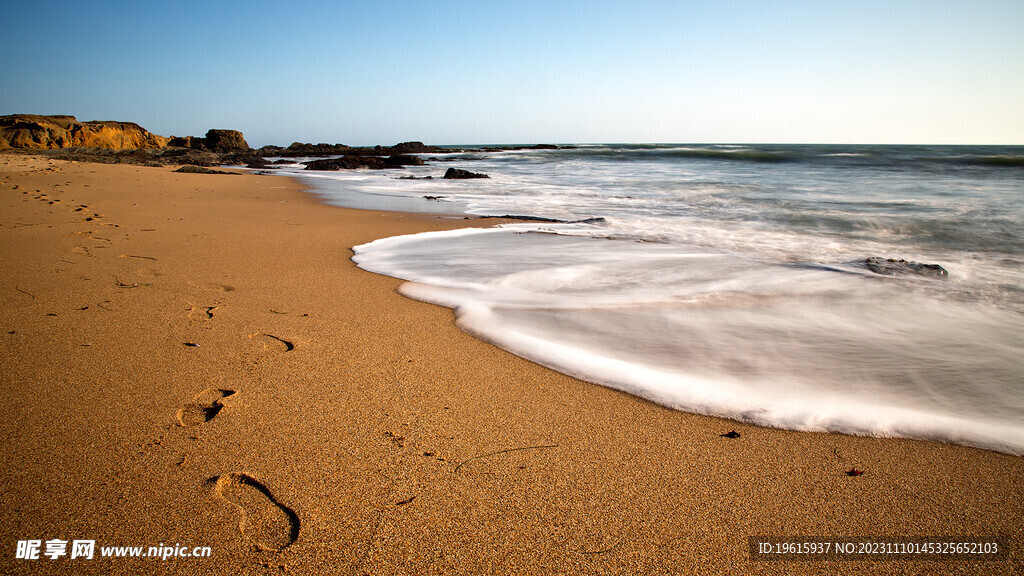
{"type": "Point", "coordinates": [45, 132]}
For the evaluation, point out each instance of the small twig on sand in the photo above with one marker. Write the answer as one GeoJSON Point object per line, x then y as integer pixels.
{"type": "Point", "coordinates": [26, 293]}
{"type": "Point", "coordinates": [503, 452]}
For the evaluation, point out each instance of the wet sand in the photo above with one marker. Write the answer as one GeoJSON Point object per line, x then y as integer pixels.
{"type": "Point", "coordinates": [193, 360]}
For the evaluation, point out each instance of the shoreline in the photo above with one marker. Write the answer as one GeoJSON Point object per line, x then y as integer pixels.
{"type": "Point", "coordinates": [398, 442]}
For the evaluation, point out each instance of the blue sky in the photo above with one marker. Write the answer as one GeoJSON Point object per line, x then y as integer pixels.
{"type": "Point", "coordinates": [522, 72]}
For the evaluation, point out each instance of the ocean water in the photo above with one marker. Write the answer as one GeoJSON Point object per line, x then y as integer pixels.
{"type": "Point", "coordinates": [729, 280]}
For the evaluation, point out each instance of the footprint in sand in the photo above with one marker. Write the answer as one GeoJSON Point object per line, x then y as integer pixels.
{"type": "Point", "coordinates": [203, 407]}
{"type": "Point", "coordinates": [271, 342]}
{"type": "Point", "coordinates": [265, 522]}
{"type": "Point", "coordinates": [201, 312]}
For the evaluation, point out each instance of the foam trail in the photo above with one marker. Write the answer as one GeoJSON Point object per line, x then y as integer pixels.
{"type": "Point", "coordinates": [724, 398]}
{"type": "Point", "coordinates": [801, 348]}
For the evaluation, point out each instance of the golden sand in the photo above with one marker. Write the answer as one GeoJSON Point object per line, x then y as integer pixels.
{"type": "Point", "coordinates": [194, 360]}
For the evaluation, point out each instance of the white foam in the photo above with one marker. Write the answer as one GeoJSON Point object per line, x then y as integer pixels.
{"type": "Point", "coordinates": [721, 334]}
{"type": "Point", "coordinates": [727, 398]}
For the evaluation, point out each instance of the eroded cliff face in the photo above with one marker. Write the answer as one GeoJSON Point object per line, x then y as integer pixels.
{"type": "Point", "coordinates": [44, 132]}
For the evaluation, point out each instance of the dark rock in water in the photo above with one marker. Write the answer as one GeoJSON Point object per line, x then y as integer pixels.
{"type": "Point", "coordinates": [891, 267]}
{"type": "Point", "coordinates": [348, 163]}
{"type": "Point", "coordinates": [296, 149]}
{"type": "Point", "coordinates": [414, 178]}
{"type": "Point", "coordinates": [527, 218]}
{"type": "Point", "coordinates": [458, 174]}
{"type": "Point", "coordinates": [413, 148]}
{"type": "Point", "coordinates": [437, 198]}
{"type": "Point", "coordinates": [512, 148]}
{"type": "Point", "coordinates": [403, 160]}
{"type": "Point", "coordinates": [331, 164]}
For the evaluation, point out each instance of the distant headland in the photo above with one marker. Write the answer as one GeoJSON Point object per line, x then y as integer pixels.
{"type": "Point", "coordinates": [115, 142]}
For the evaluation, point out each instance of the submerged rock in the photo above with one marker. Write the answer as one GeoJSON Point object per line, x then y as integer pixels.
{"type": "Point", "coordinates": [891, 267]}
{"type": "Point", "coordinates": [458, 174]}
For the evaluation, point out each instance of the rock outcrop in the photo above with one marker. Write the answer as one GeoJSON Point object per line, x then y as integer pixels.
{"type": "Point", "coordinates": [300, 149]}
{"type": "Point", "coordinates": [297, 149]}
{"type": "Point", "coordinates": [414, 148]}
{"type": "Point", "coordinates": [51, 132]}
{"type": "Point", "coordinates": [891, 267]}
{"type": "Point", "coordinates": [458, 174]}
{"type": "Point", "coordinates": [226, 141]}
{"type": "Point", "coordinates": [217, 140]}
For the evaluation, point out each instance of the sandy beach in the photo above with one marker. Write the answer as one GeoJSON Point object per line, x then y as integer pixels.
{"type": "Point", "coordinates": [192, 360]}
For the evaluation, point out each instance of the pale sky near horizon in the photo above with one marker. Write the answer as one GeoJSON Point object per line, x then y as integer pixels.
{"type": "Point", "coordinates": [445, 72]}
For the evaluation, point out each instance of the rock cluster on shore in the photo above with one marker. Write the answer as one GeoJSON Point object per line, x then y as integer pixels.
{"type": "Point", "coordinates": [66, 138]}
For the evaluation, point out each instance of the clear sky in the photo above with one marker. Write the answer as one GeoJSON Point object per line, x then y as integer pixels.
{"type": "Point", "coordinates": [480, 71]}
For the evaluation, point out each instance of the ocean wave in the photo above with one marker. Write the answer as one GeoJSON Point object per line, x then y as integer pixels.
{"type": "Point", "coordinates": [1001, 160]}
{"type": "Point", "coordinates": [909, 157]}
{"type": "Point", "coordinates": [717, 152]}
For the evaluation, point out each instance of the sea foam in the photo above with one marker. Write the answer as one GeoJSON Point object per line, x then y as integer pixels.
{"type": "Point", "coordinates": [798, 347]}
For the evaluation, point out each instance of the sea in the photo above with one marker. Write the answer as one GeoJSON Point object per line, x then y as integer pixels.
{"type": "Point", "coordinates": [730, 280]}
